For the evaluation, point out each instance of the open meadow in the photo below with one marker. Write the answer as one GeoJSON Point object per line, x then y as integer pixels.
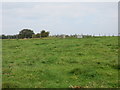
{"type": "Point", "coordinates": [60, 63]}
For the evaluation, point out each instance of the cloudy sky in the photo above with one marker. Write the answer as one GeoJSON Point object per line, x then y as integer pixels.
{"type": "Point", "coordinates": [60, 17]}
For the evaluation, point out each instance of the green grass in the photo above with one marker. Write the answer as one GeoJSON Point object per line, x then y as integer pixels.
{"type": "Point", "coordinates": [60, 63]}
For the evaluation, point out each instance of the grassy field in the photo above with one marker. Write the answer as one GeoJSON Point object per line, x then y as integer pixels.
{"type": "Point", "coordinates": [60, 63]}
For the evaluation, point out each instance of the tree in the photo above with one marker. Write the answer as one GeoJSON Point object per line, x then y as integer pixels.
{"type": "Point", "coordinates": [26, 33]}
{"type": "Point", "coordinates": [4, 37]}
{"type": "Point", "coordinates": [44, 33]}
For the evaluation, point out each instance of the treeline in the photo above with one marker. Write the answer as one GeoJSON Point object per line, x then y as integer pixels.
{"type": "Point", "coordinates": [8, 36]}
{"type": "Point", "coordinates": [26, 33]}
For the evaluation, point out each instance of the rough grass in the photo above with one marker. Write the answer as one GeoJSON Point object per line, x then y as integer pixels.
{"type": "Point", "coordinates": [60, 63]}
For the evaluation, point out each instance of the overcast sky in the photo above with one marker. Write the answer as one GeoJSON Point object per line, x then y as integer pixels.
{"type": "Point", "coordinates": [61, 17]}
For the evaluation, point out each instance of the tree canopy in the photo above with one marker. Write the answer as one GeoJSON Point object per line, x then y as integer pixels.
{"type": "Point", "coordinates": [26, 33]}
{"type": "Point", "coordinates": [44, 33]}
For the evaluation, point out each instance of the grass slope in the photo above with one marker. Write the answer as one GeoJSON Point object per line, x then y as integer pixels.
{"type": "Point", "coordinates": [60, 63]}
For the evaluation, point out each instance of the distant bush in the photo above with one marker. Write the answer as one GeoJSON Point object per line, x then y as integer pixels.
{"type": "Point", "coordinates": [86, 36]}
{"type": "Point", "coordinates": [36, 35]}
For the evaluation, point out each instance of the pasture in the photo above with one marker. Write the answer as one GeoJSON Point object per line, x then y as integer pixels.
{"type": "Point", "coordinates": [60, 63]}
